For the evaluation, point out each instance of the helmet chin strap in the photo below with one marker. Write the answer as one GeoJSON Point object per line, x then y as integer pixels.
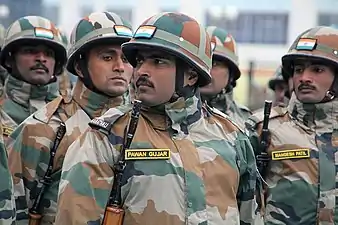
{"type": "Point", "coordinates": [181, 90]}
{"type": "Point", "coordinates": [332, 92]}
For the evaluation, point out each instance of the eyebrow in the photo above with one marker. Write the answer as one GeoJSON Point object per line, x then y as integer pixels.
{"type": "Point", "coordinates": [107, 50]}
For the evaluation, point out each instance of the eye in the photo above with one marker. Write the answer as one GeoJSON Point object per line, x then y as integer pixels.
{"type": "Point", "coordinates": [139, 61]}
{"type": "Point", "coordinates": [298, 70]}
{"type": "Point", "coordinates": [124, 59]}
{"type": "Point", "coordinates": [107, 58]}
{"type": "Point", "coordinates": [158, 61]}
{"type": "Point", "coordinates": [49, 53]}
{"type": "Point", "coordinates": [318, 69]}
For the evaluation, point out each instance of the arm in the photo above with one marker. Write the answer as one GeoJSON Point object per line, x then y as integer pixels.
{"type": "Point", "coordinates": [86, 180]}
{"type": "Point", "coordinates": [7, 211]}
{"type": "Point", "coordinates": [247, 183]}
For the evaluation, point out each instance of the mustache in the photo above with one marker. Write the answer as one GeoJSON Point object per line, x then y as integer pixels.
{"type": "Point", "coordinates": [144, 81]}
{"type": "Point", "coordinates": [40, 66]}
{"type": "Point", "coordinates": [305, 86]}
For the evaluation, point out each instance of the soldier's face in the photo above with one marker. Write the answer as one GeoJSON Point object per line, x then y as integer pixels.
{"type": "Point", "coordinates": [220, 78]}
{"type": "Point", "coordinates": [109, 70]}
{"type": "Point", "coordinates": [280, 90]}
{"type": "Point", "coordinates": [311, 79]}
{"type": "Point", "coordinates": [154, 77]}
{"type": "Point", "coordinates": [35, 63]}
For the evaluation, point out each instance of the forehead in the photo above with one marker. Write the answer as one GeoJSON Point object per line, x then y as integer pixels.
{"type": "Point", "coordinates": [106, 48]}
{"type": "Point", "coordinates": [148, 53]}
{"type": "Point", "coordinates": [310, 61]}
{"type": "Point", "coordinates": [32, 46]}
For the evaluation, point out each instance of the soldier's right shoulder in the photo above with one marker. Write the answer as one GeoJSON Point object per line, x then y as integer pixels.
{"type": "Point", "coordinates": [105, 122]}
{"type": "Point", "coordinates": [255, 119]}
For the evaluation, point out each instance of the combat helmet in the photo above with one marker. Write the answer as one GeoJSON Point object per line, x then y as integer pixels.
{"type": "Point", "coordinates": [176, 34]}
{"type": "Point", "coordinates": [315, 43]}
{"type": "Point", "coordinates": [224, 48]}
{"type": "Point", "coordinates": [34, 29]}
{"type": "Point", "coordinates": [98, 27]}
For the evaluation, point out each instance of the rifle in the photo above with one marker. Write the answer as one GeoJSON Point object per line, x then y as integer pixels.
{"type": "Point", "coordinates": [114, 212]}
{"type": "Point", "coordinates": [262, 158]}
{"type": "Point", "coordinates": [35, 213]}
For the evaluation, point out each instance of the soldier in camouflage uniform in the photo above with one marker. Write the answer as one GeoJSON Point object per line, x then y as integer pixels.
{"type": "Point", "coordinates": [225, 72]}
{"type": "Point", "coordinates": [302, 173]}
{"type": "Point", "coordinates": [207, 172]}
{"type": "Point", "coordinates": [34, 56]}
{"type": "Point", "coordinates": [280, 88]}
{"type": "Point", "coordinates": [104, 73]}
{"type": "Point", "coordinates": [7, 203]}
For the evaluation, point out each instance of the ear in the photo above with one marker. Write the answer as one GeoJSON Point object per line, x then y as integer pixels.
{"type": "Point", "coordinates": [77, 69]}
{"type": "Point", "coordinates": [192, 78]}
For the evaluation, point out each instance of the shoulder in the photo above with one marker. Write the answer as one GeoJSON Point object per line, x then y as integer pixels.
{"type": "Point", "coordinates": [258, 116]}
{"type": "Point", "coordinates": [105, 122]}
{"type": "Point", "coordinates": [46, 113]}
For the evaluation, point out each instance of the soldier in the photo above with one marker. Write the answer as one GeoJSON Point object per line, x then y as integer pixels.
{"type": "Point", "coordinates": [225, 72]}
{"type": "Point", "coordinates": [302, 174]}
{"type": "Point", "coordinates": [34, 56]}
{"type": "Point", "coordinates": [280, 88]}
{"type": "Point", "coordinates": [194, 166]}
{"type": "Point", "coordinates": [95, 56]}
{"type": "Point", "coordinates": [7, 210]}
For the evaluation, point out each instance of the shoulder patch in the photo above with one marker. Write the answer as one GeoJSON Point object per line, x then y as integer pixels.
{"type": "Point", "coordinates": [45, 114]}
{"type": "Point", "coordinates": [105, 122]}
{"type": "Point", "coordinates": [258, 116]}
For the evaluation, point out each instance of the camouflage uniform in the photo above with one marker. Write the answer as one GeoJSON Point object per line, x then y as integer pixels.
{"type": "Point", "coordinates": [7, 203]}
{"type": "Point", "coordinates": [32, 141]}
{"type": "Point", "coordinates": [224, 49]}
{"type": "Point", "coordinates": [210, 176]}
{"type": "Point", "coordinates": [21, 98]}
{"type": "Point", "coordinates": [302, 174]}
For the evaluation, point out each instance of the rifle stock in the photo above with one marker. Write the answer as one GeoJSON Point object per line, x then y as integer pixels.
{"type": "Point", "coordinates": [114, 212]}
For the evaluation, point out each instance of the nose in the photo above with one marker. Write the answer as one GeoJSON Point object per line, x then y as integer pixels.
{"type": "Point", "coordinates": [40, 56]}
{"type": "Point", "coordinates": [143, 69]}
{"type": "Point", "coordinates": [118, 66]}
{"type": "Point", "coordinates": [305, 76]}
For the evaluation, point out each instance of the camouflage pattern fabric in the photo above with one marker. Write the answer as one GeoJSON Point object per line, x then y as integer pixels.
{"type": "Point", "coordinates": [7, 203]}
{"type": "Point", "coordinates": [209, 178]}
{"type": "Point", "coordinates": [225, 103]}
{"type": "Point", "coordinates": [2, 35]}
{"type": "Point", "coordinates": [310, 131]}
{"type": "Point", "coordinates": [3, 71]}
{"type": "Point", "coordinates": [30, 144]}
{"type": "Point", "coordinates": [21, 100]}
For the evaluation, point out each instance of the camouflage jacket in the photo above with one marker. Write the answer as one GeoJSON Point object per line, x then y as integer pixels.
{"type": "Point", "coordinates": [7, 203]}
{"type": "Point", "coordinates": [30, 144]}
{"type": "Point", "coordinates": [302, 176]}
{"type": "Point", "coordinates": [21, 100]}
{"type": "Point", "coordinates": [206, 174]}
{"type": "Point", "coordinates": [226, 104]}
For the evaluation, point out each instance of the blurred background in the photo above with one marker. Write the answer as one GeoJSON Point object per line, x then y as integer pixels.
{"type": "Point", "coordinates": [263, 29]}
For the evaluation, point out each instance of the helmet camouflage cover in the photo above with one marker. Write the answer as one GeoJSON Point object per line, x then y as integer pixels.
{"type": "Point", "coordinates": [34, 29]}
{"type": "Point", "coordinates": [224, 47]}
{"type": "Point", "coordinates": [277, 78]}
{"type": "Point", "coordinates": [98, 27]}
{"type": "Point", "coordinates": [176, 34]}
{"type": "Point", "coordinates": [317, 43]}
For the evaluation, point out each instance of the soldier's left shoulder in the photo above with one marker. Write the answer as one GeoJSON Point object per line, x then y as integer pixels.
{"type": "Point", "coordinates": [244, 109]}
{"type": "Point", "coordinates": [230, 123]}
{"type": "Point", "coordinates": [105, 122]}
{"type": "Point", "coordinates": [258, 116]}
{"type": "Point", "coordinates": [46, 113]}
